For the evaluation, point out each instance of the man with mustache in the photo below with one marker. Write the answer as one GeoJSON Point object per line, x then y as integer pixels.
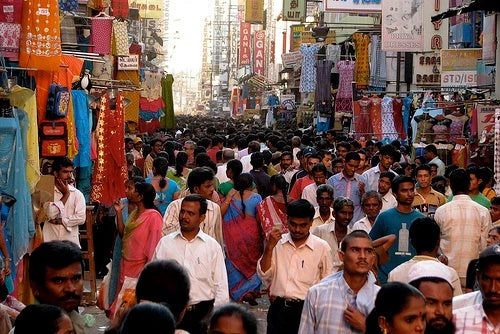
{"type": "Point", "coordinates": [56, 278]}
{"type": "Point", "coordinates": [68, 210]}
{"type": "Point", "coordinates": [341, 302]}
{"type": "Point", "coordinates": [436, 284]}
{"type": "Point", "coordinates": [483, 317]}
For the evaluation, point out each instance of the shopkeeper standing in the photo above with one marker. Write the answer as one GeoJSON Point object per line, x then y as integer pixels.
{"type": "Point", "coordinates": [68, 209]}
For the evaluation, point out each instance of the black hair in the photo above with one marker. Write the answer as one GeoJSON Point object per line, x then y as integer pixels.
{"type": "Point", "coordinates": [421, 158]}
{"type": "Point", "coordinates": [59, 163]}
{"type": "Point", "coordinates": [257, 160]}
{"type": "Point", "coordinates": [197, 198]}
{"type": "Point", "coordinates": [241, 183]}
{"type": "Point", "coordinates": [136, 179]}
{"type": "Point", "coordinates": [286, 153]}
{"type": "Point", "coordinates": [247, 318]}
{"type": "Point", "coordinates": [57, 254]}
{"type": "Point", "coordinates": [236, 167]}
{"type": "Point", "coordinates": [423, 167]}
{"type": "Point", "coordinates": [387, 149]}
{"type": "Point", "coordinates": [431, 148]}
{"type": "Point", "coordinates": [337, 160]}
{"type": "Point", "coordinates": [319, 167]}
{"type": "Point", "coordinates": [39, 318]}
{"type": "Point", "coordinates": [164, 281]}
{"type": "Point", "coordinates": [476, 171]}
{"type": "Point", "coordinates": [392, 299]}
{"type": "Point", "coordinates": [345, 145]}
{"type": "Point", "coordinates": [204, 160]}
{"type": "Point", "coordinates": [459, 181]}
{"type": "Point", "coordinates": [324, 188]}
{"type": "Point", "coordinates": [180, 162]}
{"type": "Point", "coordinates": [160, 166]}
{"type": "Point", "coordinates": [399, 180]}
{"type": "Point", "coordinates": [148, 318]}
{"type": "Point", "coordinates": [300, 208]}
{"type": "Point", "coordinates": [198, 176]}
{"type": "Point", "coordinates": [353, 235]}
{"type": "Point", "coordinates": [352, 156]}
{"type": "Point", "coordinates": [495, 200]}
{"type": "Point", "coordinates": [424, 234]}
{"type": "Point", "coordinates": [148, 193]}
{"type": "Point", "coordinates": [279, 181]}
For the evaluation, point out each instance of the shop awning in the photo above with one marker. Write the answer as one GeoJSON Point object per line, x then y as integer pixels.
{"type": "Point", "coordinates": [486, 5]}
{"type": "Point", "coordinates": [348, 25]}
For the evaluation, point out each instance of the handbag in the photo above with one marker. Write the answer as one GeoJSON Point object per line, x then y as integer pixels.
{"type": "Point", "coordinates": [53, 139]}
{"type": "Point", "coordinates": [57, 102]}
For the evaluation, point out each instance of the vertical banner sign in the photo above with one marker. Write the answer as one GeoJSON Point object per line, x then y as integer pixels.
{"type": "Point", "coordinates": [294, 10]}
{"type": "Point", "coordinates": [148, 9]}
{"type": "Point", "coordinates": [254, 11]}
{"type": "Point", "coordinates": [258, 59]}
{"type": "Point", "coordinates": [245, 43]}
{"type": "Point", "coordinates": [489, 39]}
{"type": "Point", "coordinates": [295, 36]}
{"type": "Point", "coordinates": [402, 26]}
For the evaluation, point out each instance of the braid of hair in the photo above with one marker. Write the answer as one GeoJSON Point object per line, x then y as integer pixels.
{"type": "Point", "coordinates": [162, 183]}
{"type": "Point", "coordinates": [243, 206]}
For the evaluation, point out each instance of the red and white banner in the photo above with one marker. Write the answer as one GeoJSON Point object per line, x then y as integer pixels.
{"type": "Point", "coordinates": [258, 57]}
{"type": "Point", "coordinates": [245, 43]}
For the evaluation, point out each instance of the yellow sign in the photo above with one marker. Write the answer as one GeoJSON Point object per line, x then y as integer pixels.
{"type": "Point", "coordinates": [460, 59]}
{"type": "Point", "coordinates": [148, 9]}
{"type": "Point", "coordinates": [254, 11]}
{"type": "Point", "coordinates": [307, 37]}
{"type": "Point", "coordinates": [296, 31]}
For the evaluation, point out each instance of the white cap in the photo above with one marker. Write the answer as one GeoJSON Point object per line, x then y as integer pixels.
{"type": "Point", "coordinates": [428, 269]}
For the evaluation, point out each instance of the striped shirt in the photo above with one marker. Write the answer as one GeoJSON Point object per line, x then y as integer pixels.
{"type": "Point", "coordinates": [473, 320]}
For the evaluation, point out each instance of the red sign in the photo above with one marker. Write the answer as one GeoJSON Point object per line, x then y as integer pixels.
{"type": "Point", "coordinates": [245, 43]}
{"type": "Point", "coordinates": [258, 58]}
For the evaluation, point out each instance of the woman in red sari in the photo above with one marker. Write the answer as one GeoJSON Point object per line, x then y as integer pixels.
{"type": "Point", "coordinates": [141, 233]}
{"type": "Point", "coordinates": [272, 210]}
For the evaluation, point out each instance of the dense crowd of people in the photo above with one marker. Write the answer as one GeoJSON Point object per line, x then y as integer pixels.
{"type": "Point", "coordinates": [343, 236]}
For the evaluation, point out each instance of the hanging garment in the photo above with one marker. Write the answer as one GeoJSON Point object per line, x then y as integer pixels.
{"type": "Point", "coordinates": [388, 129]}
{"type": "Point", "coordinates": [101, 31]}
{"type": "Point", "coordinates": [343, 101]}
{"type": "Point", "coordinates": [323, 90]}
{"type": "Point", "coordinates": [120, 8]}
{"type": "Point", "coordinates": [397, 106]}
{"type": "Point", "coordinates": [83, 118]}
{"type": "Point", "coordinates": [40, 45]}
{"type": "Point", "coordinates": [68, 5]}
{"type": "Point", "coordinates": [407, 105]}
{"type": "Point", "coordinates": [10, 34]}
{"type": "Point", "coordinates": [168, 121]}
{"type": "Point", "coordinates": [362, 125]}
{"type": "Point", "coordinates": [378, 66]}
{"type": "Point", "coordinates": [308, 73]}
{"type": "Point", "coordinates": [333, 54]}
{"type": "Point", "coordinates": [457, 125]}
{"type": "Point", "coordinates": [362, 68]}
{"type": "Point", "coordinates": [110, 171]}
{"type": "Point", "coordinates": [25, 99]}
{"type": "Point", "coordinates": [151, 86]}
{"type": "Point", "coordinates": [132, 105]}
{"type": "Point", "coordinates": [120, 38]}
{"type": "Point", "coordinates": [441, 133]}
{"type": "Point", "coordinates": [376, 116]}
{"type": "Point", "coordinates": [20, 224]}
{"type": "Point", "coordinates": [103, 70]}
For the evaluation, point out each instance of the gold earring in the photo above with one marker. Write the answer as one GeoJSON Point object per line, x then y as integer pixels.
{"type": "Point", "coordinates": [384, 330]}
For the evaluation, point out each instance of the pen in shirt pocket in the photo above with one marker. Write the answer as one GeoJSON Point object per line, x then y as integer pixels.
{"type": "Point", "coordinates": [302, 263]}
{"type": "Point", "coordinates": [198, 260]}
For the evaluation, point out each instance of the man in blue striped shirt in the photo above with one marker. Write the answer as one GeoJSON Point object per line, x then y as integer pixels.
{"type": "Point", "coordinates": [341, 302]}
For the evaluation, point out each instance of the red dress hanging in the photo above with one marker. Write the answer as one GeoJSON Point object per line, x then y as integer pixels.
{"type": "Point", "coordinates": [110, 171]}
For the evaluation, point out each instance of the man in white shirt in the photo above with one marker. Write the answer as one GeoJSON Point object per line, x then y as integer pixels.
{"type": "Point", "coordinates": [384, 189]}
{"type": "Point", "coordinates": [431, 155]}
{"type": "Point", "coordinates": [323, 213]}
{"type": "Point", "coordinates": [333, 233]}
{"type": "Point", "coordinates": [68, 209]}
{"type": "Point", "coordinates": [290, 265]}
{"type": "Point", "coordinates": [371, 203]}
{"type": "Point", "coordinates": [319, 174]}
{"type": "Point", "coordinates": [202, 258]}
{"type": "Point", "coordinates": [464, 225]}
{"type": "Point", "coordinates": [200, 181]}
{"type": "Point", "coordinates": [386, 153]}
{"type": "Point", "coordinates": [227, 154]}
{"type": "Point", "coordinates": [253, 147]}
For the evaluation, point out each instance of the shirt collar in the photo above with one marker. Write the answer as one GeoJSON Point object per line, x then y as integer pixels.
{"type": "Point", "coordinates": [318, 215]}
{"type": "Point", "coordinates": [288, 238]}
{"type": "Point", "coordinates": [201, 235]}
{"type": "Point", "coordinates": [355, 177]}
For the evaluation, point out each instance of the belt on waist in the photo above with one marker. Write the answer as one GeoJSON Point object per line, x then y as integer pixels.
{"type": "Point", "coordinates": [204, 303]}
{"type": "Point", "coordinates": [289, 302]}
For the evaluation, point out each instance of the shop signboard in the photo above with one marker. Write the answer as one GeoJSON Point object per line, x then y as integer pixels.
{"type": "Point", "coordinates": [460, 59]}
{"type": "Point", "coordinates": [402, 26]}
{"type": "Point", "coordinates": [128, 63]}
{"type": "Point", "coordinates": [426, 69]}
{"type": "Point", "coordinates": [355, 6]}
{"type": "Point", "coordinates": [258, 60]}
{"type": "Point", "coordinates": [435, 33]}
{"type": "Point", "coordinates": [294, 10]}
{"type": "Point", "coordinates": [254, 11]}
{"type": "Point", "coordinates": [486, 118]}
{"type": "Point", "coordinates": [307, 37]}
{"type": "Point", "coordinates": [245, 38]}
{"type": "Point", "coordinates": [291, 59]}
{"type": "Point", "coordinates": [148, 9]}
{"type": "Point", "coordinates": [288, 101]}
{"type": "Point", "coordinates": [295, 33]}
{"type": "Point", "coordinates": [452, 80]}
{"type": "Point", "coordinates": [489, 39]}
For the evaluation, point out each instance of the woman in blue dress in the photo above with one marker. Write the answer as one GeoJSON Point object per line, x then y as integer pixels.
{"type": "Point", "coordinates": [166, 190]}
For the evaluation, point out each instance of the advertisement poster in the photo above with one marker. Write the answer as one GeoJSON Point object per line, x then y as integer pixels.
{"type": "Point", "coordinates": [258, 60]}
{"type": "Point", "coordinates": [354, 6]}
{"type": "Point", "coordinates": [460, 59]}
{"type": "Point", "coordinates": [489, 39]}
{"type": "Point", "coordinates": [295, 35]}
{"type": "Point", "coordinates": [426, 69]}
{"type": "Point", "coordinates": [486, 118]}
{"type": "Point", "coordinates": [402, 22]}
{"type": "Point", "coordinates": [452, 80]}
{"type": "Point", "coordinates": [294, 10]}
{"type": "Point", "coordinates": [148, 9]}
{"type": "Point", "coordinates": [245, 43]}
{"type": "Point", "coordinates": [254, 11]}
